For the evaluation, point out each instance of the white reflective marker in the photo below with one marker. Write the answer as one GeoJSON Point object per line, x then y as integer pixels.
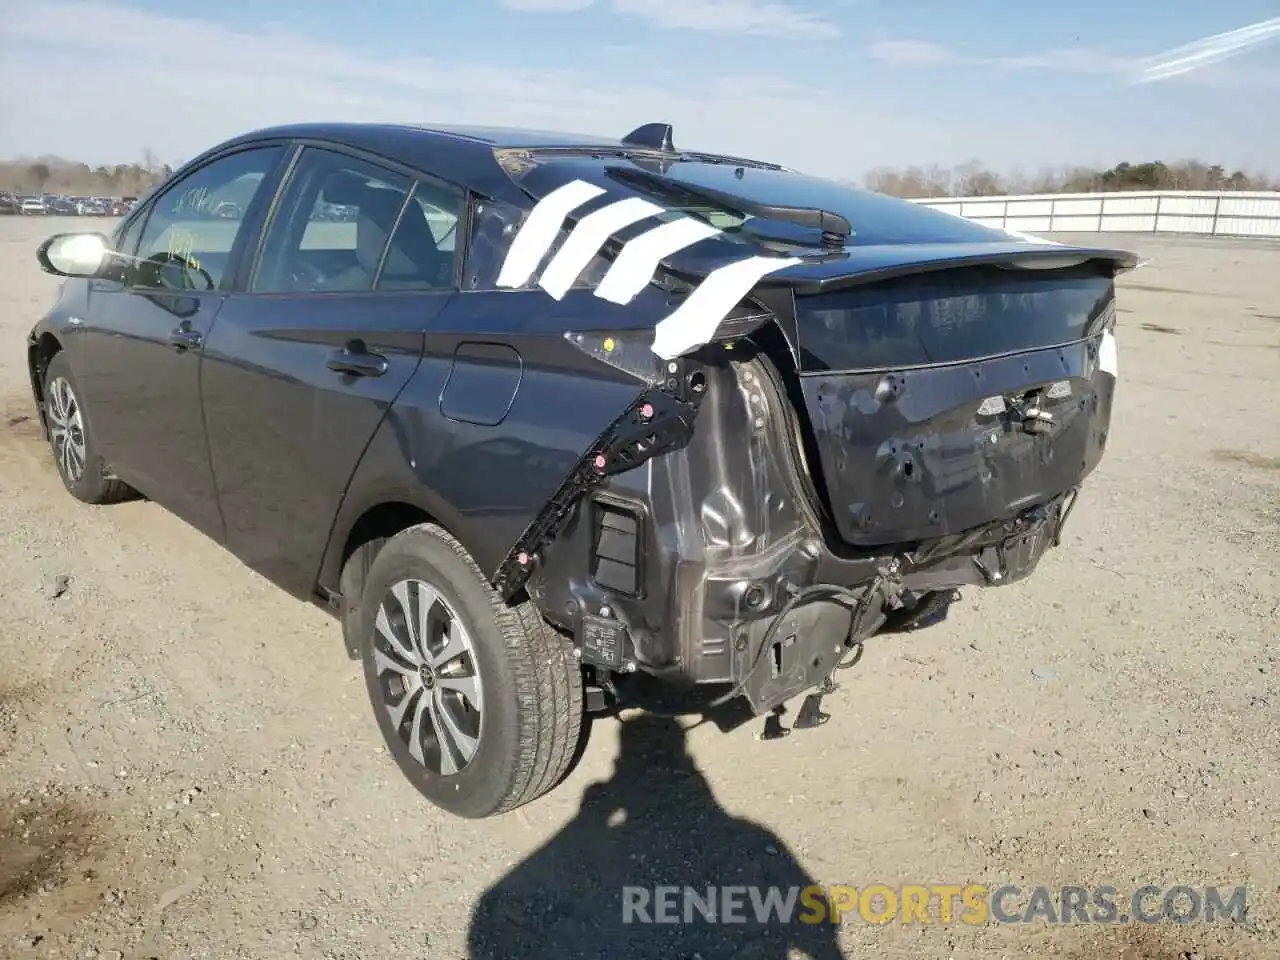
{"type": "Point", "coordinates": [540, 230]}
{"type": "Point", "coordinates": [694, 322]}
{"type": "Point", "coordinates": [1107, 354]}
{"type": "Point", "coordinates": [586, 240]}
{"type": "Point", "coordinates": [635, 265]}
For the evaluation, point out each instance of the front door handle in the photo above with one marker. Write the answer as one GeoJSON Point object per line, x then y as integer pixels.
{"type": "Point", "coordinates": [355, 361]}
{"type": "Point", "coordinates": [184, 338]}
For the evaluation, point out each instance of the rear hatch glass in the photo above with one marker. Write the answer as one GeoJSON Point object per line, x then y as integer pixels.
{"type": "Point", "coordinates": [950, 316]}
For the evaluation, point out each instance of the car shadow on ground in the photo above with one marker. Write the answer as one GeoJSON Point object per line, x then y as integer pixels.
{"type": "Point", "coordinates": [654, 823]}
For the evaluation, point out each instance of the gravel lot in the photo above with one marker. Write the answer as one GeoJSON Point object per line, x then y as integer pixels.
{"type": "Point", "coordinates": [189, 767]}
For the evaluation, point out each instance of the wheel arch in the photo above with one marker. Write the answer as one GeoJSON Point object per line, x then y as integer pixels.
{"type": "Point", "coordinates": [375, 517]}
{"type": "Point", "coordinates": [40, 353]}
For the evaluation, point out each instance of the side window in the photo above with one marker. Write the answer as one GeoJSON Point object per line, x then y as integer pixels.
{"type": "Point", "coordinates": [331, 229]}
{"type": "Point", "coordinates": [494, 225]}
{"type": "Point", "coordinates": [192, 227]}
{"type": "Point", "coordinates": [125, 239]}
{"type": "Point", "coordinates": [124, 243]}
{"type": "Point", "coordinates": [422, 254]}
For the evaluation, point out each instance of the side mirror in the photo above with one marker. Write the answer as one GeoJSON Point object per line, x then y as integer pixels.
{"type": "Point", "coordinates": [82, 255]}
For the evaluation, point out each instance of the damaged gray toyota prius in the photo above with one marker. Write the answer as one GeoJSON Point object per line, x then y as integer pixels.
{"type": "Point", "coordinates": [550, 421]}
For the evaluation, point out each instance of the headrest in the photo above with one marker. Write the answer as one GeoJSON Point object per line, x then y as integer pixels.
{"type": "Point", "coordinates": [349, 190]}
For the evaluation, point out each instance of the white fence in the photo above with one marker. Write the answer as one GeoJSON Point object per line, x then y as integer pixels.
{"type": "Point", "coordinates": [1192, 212]}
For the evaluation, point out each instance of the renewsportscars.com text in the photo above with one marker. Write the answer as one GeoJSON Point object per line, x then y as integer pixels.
{"type": "Point", "coordinates": [932, 904]}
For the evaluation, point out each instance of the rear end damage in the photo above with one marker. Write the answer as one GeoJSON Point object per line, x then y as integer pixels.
{"type": "Point", "coordinates": [753, 520]}
{"type": "Point", "coordinates": [743, 586]}
{"type": "Point", "coordinates": [876, 424]}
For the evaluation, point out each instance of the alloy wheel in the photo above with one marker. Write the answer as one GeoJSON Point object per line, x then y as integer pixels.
{"type": "Point", "coordinates": [428, 677]}
{"type": "Point", "coordinates": [66, 429]}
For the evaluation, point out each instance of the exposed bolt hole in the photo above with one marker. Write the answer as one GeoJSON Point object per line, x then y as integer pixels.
{"type": "Point", "coordinates": [697, 381]}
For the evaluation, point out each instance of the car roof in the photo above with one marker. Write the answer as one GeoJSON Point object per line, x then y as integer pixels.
{"type": "Point", "coordinates": [463, 154]}
{"type": "Point", "coordinates": [440, 136]}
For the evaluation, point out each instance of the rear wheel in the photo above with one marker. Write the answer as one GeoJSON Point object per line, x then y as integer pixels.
{"type": "Point", "coordinates": [480, 703]}
{"type": "Point", "coordinates": [82, 470]}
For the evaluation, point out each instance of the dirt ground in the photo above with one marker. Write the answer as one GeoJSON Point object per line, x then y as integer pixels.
{"type": "Point", "coordinates": [189, 767]}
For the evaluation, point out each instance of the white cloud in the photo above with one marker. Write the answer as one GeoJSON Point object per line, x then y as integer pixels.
{"type": "Point", "coordinates": [912, 52]}
{"type": "Point", "coordinates": [1178, 62]}
{"type": "Point", "coordinates": [1206, 52]}
{"type": "Point", "coordinates": [768, 17]}
{"type": "Point", "coordinates": [1066, 60]}
{"type": "Point", "coordinates": [773, 18]}
{"type": "Point", "coordinates": [925, 53]}
{"type": "Point", "coordinates": [99, 81]}
{"type": "Point", "coordinates": [546, 6]}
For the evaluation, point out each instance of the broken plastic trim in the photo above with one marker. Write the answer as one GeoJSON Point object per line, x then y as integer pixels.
{"type": "Point", "coordinates": [658, 421]}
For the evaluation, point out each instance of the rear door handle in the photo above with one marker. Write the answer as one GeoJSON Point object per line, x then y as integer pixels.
{"type": "Point", "coordinates": [184, 338]}
{"type": "Point", "coordinates": [355, 361]}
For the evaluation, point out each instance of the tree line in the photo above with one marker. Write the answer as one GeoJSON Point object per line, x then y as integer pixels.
{"type": "Point", "coordinates": [971, 179]}
{"type": "Point", "coordinates": [67, 178]}
{"type": "Point", "coordinates": [974, 179]}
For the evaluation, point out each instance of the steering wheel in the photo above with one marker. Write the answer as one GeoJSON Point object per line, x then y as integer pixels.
{"type": "Point", "coordinates": [187, 265]}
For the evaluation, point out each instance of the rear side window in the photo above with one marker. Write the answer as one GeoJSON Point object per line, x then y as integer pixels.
{"type": "Point", "coordinates": [347, 225]}
{"type": "Point", "coordinates": [949, 317]}
{"type": "Point", "coordinates": [494, 225]}
{"type": "Point", "coordinates": [422, 254]}
{"type": "Point", "coordinates": [331, 227]}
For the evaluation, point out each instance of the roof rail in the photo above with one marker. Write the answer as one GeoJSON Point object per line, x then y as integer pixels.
{"type": "Point", "coordinates": [653, 136]}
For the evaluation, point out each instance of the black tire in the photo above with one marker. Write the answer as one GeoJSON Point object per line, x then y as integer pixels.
{"type": "Point", "coordinates": [86, 481]}
{"type": "Point", "coordinates": [531, 714]}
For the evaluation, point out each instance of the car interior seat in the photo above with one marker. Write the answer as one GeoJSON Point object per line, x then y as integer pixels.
{"type": "Point", "coordinates": [413, 260]}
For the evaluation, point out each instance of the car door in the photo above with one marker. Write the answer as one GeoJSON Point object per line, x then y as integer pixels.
{"type": "Point", "coordinates": [306, 359]}
{"type": "Point", "coordinates": [139, 350]}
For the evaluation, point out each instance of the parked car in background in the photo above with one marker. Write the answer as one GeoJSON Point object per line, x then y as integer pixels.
{"type": "Point", "coordinates": [32, 206]}
{"type": "Point", "coordinates": [9, 204]}
{"type": "Point", "coordinates": [557, 411]}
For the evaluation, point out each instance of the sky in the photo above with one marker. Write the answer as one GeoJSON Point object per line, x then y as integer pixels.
{"type": "Point", "coordinates": [831, 87]}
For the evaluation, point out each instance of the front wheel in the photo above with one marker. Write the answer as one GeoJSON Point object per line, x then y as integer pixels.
{"type": "Point", "coordinates": [82, 470]}
{"type": "Point", "coordinates": [480, 703]}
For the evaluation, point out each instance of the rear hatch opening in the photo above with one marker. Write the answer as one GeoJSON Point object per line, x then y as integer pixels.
{"type": "Point", "coordinates": [939, 402]}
